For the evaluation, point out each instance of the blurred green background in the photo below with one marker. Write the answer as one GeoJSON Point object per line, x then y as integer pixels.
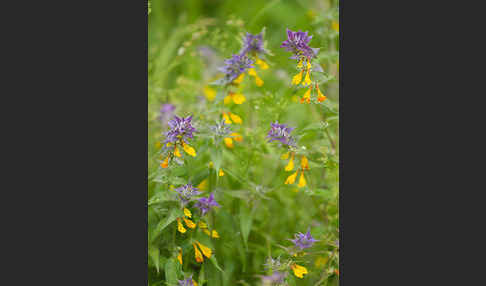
{"type": "Point", "coordinates": [259, 212]}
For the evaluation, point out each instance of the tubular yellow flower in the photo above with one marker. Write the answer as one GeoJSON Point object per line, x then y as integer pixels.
{"type": "Point", "coordinates": [299, 271]}
{"type": "Point", "coordinates": [291, 179]}
{"type": "Point", "coordinates": [189, 150]}
{"type": "Point", "coordinates": [320, 97]}
{"type": "Point", "coordinates": [302, 181]}
{"type": "Point", "coordinates": [226, 118]}
{"type": "Point", "coordinates": [285, 156]}
{"type": "Point", "coordinates": [187, 212]}
{"type": "Point", "coordinates": [209, 93]}
{"type": "Point", "coordinates": [308, 65]}
{"type": "Point", "coordinates": [239, 79]}
{"type": "Point", "coordinates": [158, 144]}
{"type": "Point", "coordinates": [205, 250]}
{"type": "Point", "coordinates": [304, 163]}
{"type": "Point", "coordinates": [177, 152]}
{"type": "Point", "coordinates": [335, 26]}
{"type": "Point", "coordinates": [300, 65]}
{"type": "Point", "coordinates": [258, 81]}
{"type": "Point", "coordinates": [165, 163]}
{"type": "Point", "coordinates": [180, 227]}
{"type": "Point", "coordinates": [215, 234]}
{"type": "Point", "coordinates": [229, 142]}
{"type": "Point", "coordinates": [203, 185]}
{"type": "Point", "coordinates": [236, 119]}
{"type": "Point", "coordinates": [307, 96]}
{"type": "Point", "coordinates": [227, 99]}
{"type": "Point", "coordinates": [252, 72]}
{"type": "Point", "coordinates": [237, 136]}
{"type": "Point", "coordinates": [238, 98]}
{"type": "Point", "coordinates": [307, 80]}
{"type": "Point", "coordinates": [221, 173]}
{"type": "Point", "coordinates": [189, 223]}
{"type": "Point", "coordinates": [290, 165]}
{"type": "Point", "coordinates": [297, 78]}
{"type": "Point", "coordinates": [194, 282]}
{"type": "Point", "coordinates": [202, 224]}
{"type": "Point", "coordinates": [197, 254]}
{"type": "Point", "coordinates": [263, 65]}
{"type": "Point", "coordinates": [179, 256]}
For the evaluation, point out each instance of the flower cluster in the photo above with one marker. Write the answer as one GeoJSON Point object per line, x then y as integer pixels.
{"type": "Point", "coordinates": [181, 130]}
{"type": "Point", "coordinates": [206, 204]}
{"type": "Point", "coordinates": [186, 193]}
{"type": "Point", "coordinates": [297, 44]}
{"type": "Point", "coordinates": [281, 133]}
{"type": "Point", "coordinates": [187, 282]}
{"type": "Point", "coordinates": [303, 241]}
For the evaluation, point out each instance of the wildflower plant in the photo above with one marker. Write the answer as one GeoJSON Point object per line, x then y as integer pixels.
{"type": "Point", "coordinates": [243, 179]}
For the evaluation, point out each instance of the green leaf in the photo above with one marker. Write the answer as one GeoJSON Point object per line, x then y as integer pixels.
{"type": "Point", "coordinates": [171, 272]}
{"type": "Point", "coordinates": [154, 253]}
{"type": "Point", "coordinates": [174, 213]}
{"type": "Point", "coordinates": [246, 219]}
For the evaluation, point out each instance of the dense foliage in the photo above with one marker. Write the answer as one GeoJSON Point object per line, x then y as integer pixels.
{"type": "Point", "coordinates": [243, 174]}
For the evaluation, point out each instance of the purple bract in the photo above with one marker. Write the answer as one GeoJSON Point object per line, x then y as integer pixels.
{"type": "Point", "coordinates": [236, 65]}
{"type": "Point", "coordinates": [186, 193]}
{"type": "Point", "coordinates": [303, 241]}
{"type": "Point", "coordinates": [253, 44]}
{"type": "Point", "coordinates": [180, 129]}
{"type": "Point", "coordinates": [205, 204]}
{"type": "Point", "coordinates": [186, 282]}
{"type": "Point", "coordinates": [281, 132]}
{"type": "Point", "coordinates": [297, 43]}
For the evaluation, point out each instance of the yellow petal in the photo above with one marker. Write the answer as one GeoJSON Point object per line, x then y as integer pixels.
{"type": "Point", "coordinates": [236, 119]}
{"type": "Point", "coordinates": [189, 223]}
{"type": "Point", "coordinates": [197, 254]}
{"type": "Point", "coordinates": [237, 136]}
{"type": "Point", "coordinates": [210, 93]}
{"type": "Point", "coordinates": [307, 80]}
{"type": "Point", "coordinates": [226, 118]}
{"type": "Point", "coordinates": [307, 96]}
{"type": "Point", "coordinates": [229, 142]}
{"type": "Point", "coordinates": [158, 144]}
{"type": "Point", "coordinates": [290, 165]}
{"type": "Point", "coordinates": [180, 227]}
{"type": "Point", "coordinates": [297, 78]}
{"type": "Point", "coordinates": [239, 79]}
{"type": "Point", "coordinates": [299, 65]}
{"type": "Point", "coordinates": [168, 144]}
{"type": "Point", "coordinates": [227, 99]}
{"type": "Point", "coordinates": [304, 163]}
{"type": "Point", "coordinates": [202, 224]}
{"type": "Point", "coordinates": [215, 234]}
{"type": "Point", "coordinates": [320, 97]}
{"type": "Point", "coordinates": [335, 26]}
{"type": "Point", "coordinates": [252, 72]}
{"type": "Point", "coordinates": [176, 152]}
{"type": "Point", "coordinates": [285, 156]}
{"type": "Point", "coordinates": [291, 178]}
{"type": "Point", "coordinates": [165, 163]}
{"type": "Point", "coordinates": [205, 250]}
{"type": "Point", "coordinates": [189, 150]}
{"type": "Point", "coordinates": [210, 164]}
{"type": "Point", "coordinates": [238, 98]}
{"type": "Point", "coordinates": [179, 257]}
{"type": "Point", "coordinates": [206, 231]}
{"type": "Point", "coordinates": [308, 65]}
{"type": "Point", "coordinates": [302, 182]}
{"type": "Point", "coordinates": [194, 282]}
{"type": "Point", "coordinates": [258, 81]}
{"type": "Point", "coordinates": [187, 212]}
{"type": "Point", "coordinates": [299, 271]}
{"type": "Point", "coordinates": [221, 173]}
{"type": "Point", "coordinates": [203, 185]}
{"type": "Point", "coordinates": [263, 65]}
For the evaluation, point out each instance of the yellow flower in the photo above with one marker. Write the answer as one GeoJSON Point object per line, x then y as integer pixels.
{"type": "Point", "coordinates": [194, 282]}
{"type": "Point", "coordinates": [299, 65]}
{"type": "Point", "coordinates": [291, 178]}
{"type": "Point", "coordinates": [308, 66]}
{"type": "Point", "coordinates": [302, 182]}
{"type": "Point", "coordinates": [252, 72]}
{"type": "Point", "coordinates": [320, 97]}
{"type": "Point", "coordinates": [189, 223]}
{"type": "Point", "coordinates": [203, 185]}
{"type": "Point", "coordinates": [238, 98]}
{"type": "Point", "coordinates": [307, 80]}
{"type": "Point", "coordinates": [227, 99]}
{"type": "Point", "coordinates": [335, 25]}
{"type": "Point", "coordinates": [221, 173]}
{"type": "Point", "coordinates": [239, 79]}
{"type": "Point", "coordinates": [179, 256]}
{"type": "Point", "coordinates": [180, 227]}
{"type": "Point", "coordinates": [226, 118]}
{"type": "Point", "coordinates": [197, 254]}
{"type": "Point", "coordinates": [176, 152]}
{"type": "Point", "coordinates": [202, 224]}
{"type": "Point", "coordinates": [210, 93]}
{"type": "Point", "coordinates": [210, 165]}
{"type": "Point", "coordinates": [304, 163]}
{"type": "Point", "coordinates": [263, 65]}
{"type": "Point", "coordinates": [237, 136]}
{"type": "Point", "coordinates": [258, 81]}
{"type": "Point", "coordinates": [229, 142]}
{"type": "Point", "coordinates": [307, 96]}
{"type": "Point", "coordinates": [285, 156]}
{"type": "Point", "coordinates": [236, 119]}
{"type": "Point", "coordinates": [215, 233]}
{"type": "Point", "coordinates": [165, 163]}
{"type": "Point", "coordinates": [290, 165]}
{"type": "Point", "coordinates": [299, 271]}
{"type": "Point", "coordinates": [205, 250]}
{"type": "Point", "coordinates": [158, 144]}
{"type": "Point", "coordinates": [187, 212]}
{"type": "Point", "coordinates": [297, 78]}
{"type": "Point", "coordinates": [188, 149]}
